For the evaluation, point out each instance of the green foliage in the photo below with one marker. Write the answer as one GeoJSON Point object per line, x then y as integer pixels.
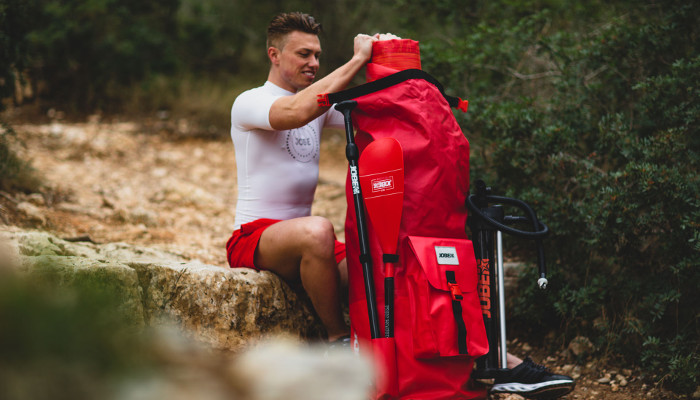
{"type": "Point", "coordinates": [133, 57]}
{"type": "Point", "coordinates": [220, 36]}
{"type": "Point", "coordinates": [15, 174]}
{"type": "Point", "coordinates": [65, 342]}
{"type": "Point", "coordinates": [678, 367]}
{"type": "Point", "coordinates": [87, 52]}
{"type": "Point", "coordinates": [598, 130]}
{"type": "Point", "coordinates": [14, 25]}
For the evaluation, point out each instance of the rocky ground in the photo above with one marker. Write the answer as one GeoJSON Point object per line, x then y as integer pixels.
{"type": "Point", "coordinates": [155, 184]}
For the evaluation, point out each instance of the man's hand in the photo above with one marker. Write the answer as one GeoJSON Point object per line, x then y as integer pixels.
{"type": "Point", "coordinates": [363, 46]}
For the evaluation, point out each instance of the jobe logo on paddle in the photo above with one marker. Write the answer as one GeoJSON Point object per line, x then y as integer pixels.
{"type": "Point", "coordinates": [355, 179]}
{"type": "Point", "coordinates": [446, 255]}
{"type": "Point", "coordinates": [382, 184]}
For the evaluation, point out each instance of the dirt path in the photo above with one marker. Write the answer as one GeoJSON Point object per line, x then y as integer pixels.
{"type": "Point", "coordinates": [113, 182]}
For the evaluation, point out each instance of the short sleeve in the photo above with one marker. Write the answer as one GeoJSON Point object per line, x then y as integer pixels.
{"type": "Point", "coordinates": [251, 110]}
{"type": "Point", "coordinates": [334, 119]}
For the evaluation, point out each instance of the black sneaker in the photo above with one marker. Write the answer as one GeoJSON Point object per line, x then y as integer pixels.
{"type": "Point", "coordinates": [532, 381]}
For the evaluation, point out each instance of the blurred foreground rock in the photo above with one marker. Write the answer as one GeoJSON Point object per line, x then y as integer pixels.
{"type": "Point", "coordinates": [277, 368]}
{"type": "Point", "coordinates": [82, 321]}
{"type": "Point", "coordinates": [216, 306]}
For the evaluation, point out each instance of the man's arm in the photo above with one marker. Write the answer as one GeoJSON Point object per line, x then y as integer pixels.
{"type": "Point", "coordinates": [290, 112]}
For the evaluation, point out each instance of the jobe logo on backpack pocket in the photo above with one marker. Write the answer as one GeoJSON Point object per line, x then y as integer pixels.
{"type": "Point", "coordinates": [446, 255]}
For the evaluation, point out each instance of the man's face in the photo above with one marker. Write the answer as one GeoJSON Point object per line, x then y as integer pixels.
{"type": "Point", "coordinates": [297, 61]}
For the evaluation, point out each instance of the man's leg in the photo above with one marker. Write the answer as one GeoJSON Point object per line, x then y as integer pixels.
{"type": "Point", "coordinates": [512, 361]}
{"type": "Point", "coordinates": [343, 271]}
{"type": "Point", "coordinates": [301, 250]}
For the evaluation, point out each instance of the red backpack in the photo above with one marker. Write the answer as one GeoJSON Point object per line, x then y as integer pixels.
{"type": "Point", "coordinates": [438, 326]}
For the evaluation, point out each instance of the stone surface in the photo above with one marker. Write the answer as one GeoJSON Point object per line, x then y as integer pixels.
{"type": "Point", "coordinates": [218, 306]}
{"type": "Point", "coordinates": [696, 394]}
{"type": "Point", "coordinates": [282, 370]}
{"type": "Point", "coordinates": [581, 346]}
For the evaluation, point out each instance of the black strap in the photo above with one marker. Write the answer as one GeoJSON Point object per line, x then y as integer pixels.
{"type": "Point", "coordinates": [457, 311]}
{"type": "Point", "coordinates": [388, 81]}
{"type": "Point", "coordinates": [390, 258]}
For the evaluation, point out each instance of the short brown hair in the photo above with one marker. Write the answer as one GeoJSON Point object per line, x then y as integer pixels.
{"type": "Point", "coordinates": [286, 23]}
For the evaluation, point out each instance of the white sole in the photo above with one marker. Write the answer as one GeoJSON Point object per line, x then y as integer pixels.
{"type": "Point", "coordinates": [515, 387]}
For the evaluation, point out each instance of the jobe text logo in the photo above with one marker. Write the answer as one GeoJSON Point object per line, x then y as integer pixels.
{"type": "Point", "coordinates": [303, 143]}
{"type": "Point", "coordinates": [355, 179]}
{"type": "Point", "coordinates": [446, 255]}
{"type": "Point", "coordinates": [382, 184]}
{"type": "Point", "coordinates": [483, 287]}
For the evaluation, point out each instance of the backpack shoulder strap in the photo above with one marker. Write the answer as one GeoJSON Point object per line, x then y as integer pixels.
{"type": "Point", "coordinates": [388, 81]}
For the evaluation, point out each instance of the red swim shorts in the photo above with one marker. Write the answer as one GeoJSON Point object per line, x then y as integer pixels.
{"type": "Point", "coordinates": [240, 248]}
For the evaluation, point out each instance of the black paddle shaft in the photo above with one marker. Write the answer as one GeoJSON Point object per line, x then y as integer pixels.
{"type": "Point", "coordinates": [353, 154]}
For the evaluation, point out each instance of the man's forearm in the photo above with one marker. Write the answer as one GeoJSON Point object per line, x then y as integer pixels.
{"type": "Point", "coordinates": [295, 111]}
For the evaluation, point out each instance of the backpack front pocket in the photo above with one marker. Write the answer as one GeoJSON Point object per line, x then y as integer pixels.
{"type": "Point", "coordinates": [442, 279]}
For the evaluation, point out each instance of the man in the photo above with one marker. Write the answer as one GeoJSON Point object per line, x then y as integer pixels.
{"type": "Point", "coordinates": [276, 134]}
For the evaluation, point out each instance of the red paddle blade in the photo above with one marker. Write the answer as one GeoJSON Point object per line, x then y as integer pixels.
{"type": "Point", "coordinates": [381, 178]}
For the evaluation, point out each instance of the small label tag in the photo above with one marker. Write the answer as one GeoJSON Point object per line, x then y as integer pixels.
{"type": "Point", "coordinates": [382, 184]}
{"type": "Point", "coordinates": [446, 255]}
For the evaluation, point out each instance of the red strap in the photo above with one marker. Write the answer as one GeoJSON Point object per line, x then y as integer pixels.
{"type": "Point", "coordinates": [322, 100]}
{"type": "Point", "coordinates": [463, 105]}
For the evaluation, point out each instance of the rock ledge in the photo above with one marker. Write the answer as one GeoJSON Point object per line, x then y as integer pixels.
{"type": "Point", "coordinates": [218, 306]}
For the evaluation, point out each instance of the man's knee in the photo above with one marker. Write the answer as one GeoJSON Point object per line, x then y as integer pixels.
{"type": "Point", "coordinates": [319, 235]}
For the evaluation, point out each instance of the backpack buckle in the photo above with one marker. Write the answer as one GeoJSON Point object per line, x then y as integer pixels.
{"type": "Point", "coordinates": [456, 291]}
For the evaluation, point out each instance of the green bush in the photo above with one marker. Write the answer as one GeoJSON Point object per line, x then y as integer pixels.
{"type": "Point", "coordinates": [136, 57]}
{"type": "Point", "coordinates": [85, 54]}
{"type": "Point", "coordinates": [14, 25]}
{"type": "Point", "coordinates": [16, 174]}
{"type": "Point", "coordinates": [67, 342]}
{"type": "Point", "coordinates": [598, 130]}
{"type": "Point", "coordinates": [15, 17]}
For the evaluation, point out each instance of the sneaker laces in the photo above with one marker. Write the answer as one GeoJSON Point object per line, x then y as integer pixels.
{"type": "Point", "coordinates": [538, 367]}
{"type": "Point", "coordinates": [527, 372]}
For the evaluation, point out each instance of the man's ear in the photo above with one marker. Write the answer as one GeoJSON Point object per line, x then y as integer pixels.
{"type": "Point", "coordinates": [273, 54]}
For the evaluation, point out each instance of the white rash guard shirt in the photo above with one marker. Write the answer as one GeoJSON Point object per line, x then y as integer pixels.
{"type": "Point", "coordinates": [277, 170]}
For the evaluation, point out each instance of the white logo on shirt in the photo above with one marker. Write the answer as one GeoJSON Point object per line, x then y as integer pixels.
{"type": "Point", "coordinates": [303, 143]}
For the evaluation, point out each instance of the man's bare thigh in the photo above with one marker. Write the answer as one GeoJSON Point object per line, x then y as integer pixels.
{"type": "Point", "coordinates": [281, 246]}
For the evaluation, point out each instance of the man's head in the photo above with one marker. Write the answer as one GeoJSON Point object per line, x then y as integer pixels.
{"type": "Point", "coordinates": [294, 49]}
{"type": "Point", "coordinates": [286, 23]}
